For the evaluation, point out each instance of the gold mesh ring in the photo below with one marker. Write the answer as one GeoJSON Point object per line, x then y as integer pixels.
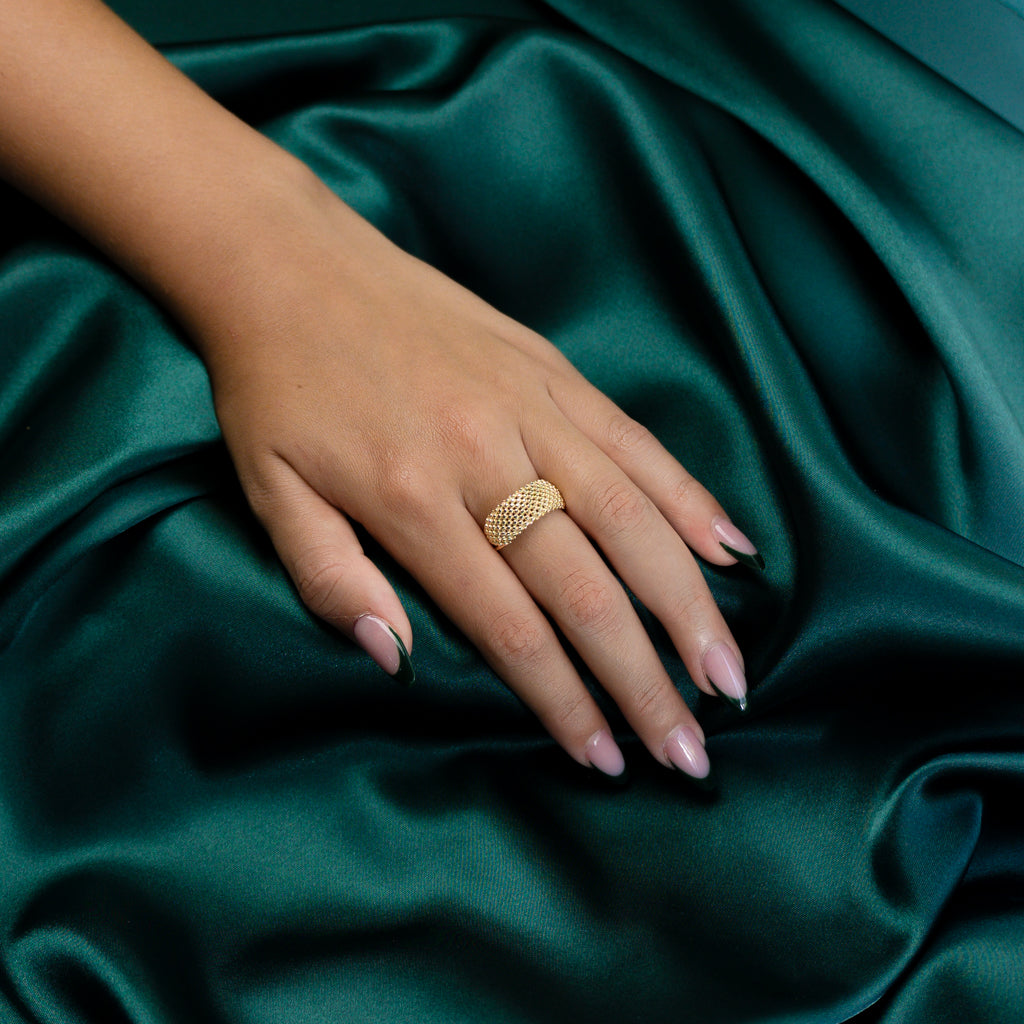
{"type": "Point", "coordinates": [520, 510]}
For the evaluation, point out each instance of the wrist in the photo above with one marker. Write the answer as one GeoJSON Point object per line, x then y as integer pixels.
{"type": "Point", "coordinates": [217, 250]}
{"type": "Point", "coordinates": [272, 251]}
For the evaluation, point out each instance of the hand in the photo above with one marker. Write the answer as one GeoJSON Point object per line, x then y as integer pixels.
{"type": "Point", "coordinates": [353, 381]}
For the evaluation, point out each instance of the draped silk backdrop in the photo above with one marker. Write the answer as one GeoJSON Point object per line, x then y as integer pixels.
{"type": "Point", "coordinates": [796, 254]}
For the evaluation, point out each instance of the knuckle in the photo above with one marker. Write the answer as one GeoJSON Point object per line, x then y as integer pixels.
{"type": "Point", "coordinates": [457, 429]}
{"type": "Point", "coordinates": [685, 490]}
{"type": "Point", "coordinates": [626, 436]}
{"type": "Point", "coordinates": [589, 603]}
{"type": "Point", "coordinates": [571, 708]}
{"type": "Point", "coordinates": [622, 508]}
{"type": "Point", "coordinates": [514, 639]}
{"type": "Point", "coordinates": [650, 695]}
{"type": "Point", "coordinates": [319, 577]}
{"type": "Point", "coordinates": [688, 605]}
{"type": "Point", "coordinates": [259, 473]}
{"type": "Point", "coordinates": [263, 501]}
{"type": "Point", "coordinates": [403, 489]}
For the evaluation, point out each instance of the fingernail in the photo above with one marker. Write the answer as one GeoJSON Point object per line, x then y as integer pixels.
{"type": "Point", "coordinates": [722, 670]}
{"type": "Point", "coordinates": [685, 750]}
{"type": "Point", "coordinates": [385, 646]}
{"type": "Point", "coordinates": [603, 753]}
{"type": "Point", "coordinates": [734, 542]}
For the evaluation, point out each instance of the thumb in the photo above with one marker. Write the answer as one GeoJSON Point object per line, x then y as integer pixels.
{"type": "Point", "coordinates": [332, 574]}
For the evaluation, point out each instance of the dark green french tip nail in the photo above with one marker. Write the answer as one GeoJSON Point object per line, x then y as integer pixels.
{"type": "Point", "coordinates": [736, 543]}
{"type": "Point", "coordinates": [406, 674]}
{"type": "Point", "coordinates": [385, 646]}
{"type": "Point", "coordinates": [750, 561]}
{"type": "Point", "coordinates": [739, 703]}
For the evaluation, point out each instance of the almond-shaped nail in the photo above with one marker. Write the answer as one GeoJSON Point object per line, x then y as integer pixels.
{"type": "Point", "coordinates": [723, 672]}
{"type": "Point", "coordinates": [603, 753]}
{"type": "Point", "coordinates": [385, 646]}
{"type": "Point", "coordinates": [685, 750]}
{"type": "Point", "coordinates": [736, 543]}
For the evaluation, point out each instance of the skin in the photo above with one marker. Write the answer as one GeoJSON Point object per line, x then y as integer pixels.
{"type": "Point", "coordinates": [354, 382]}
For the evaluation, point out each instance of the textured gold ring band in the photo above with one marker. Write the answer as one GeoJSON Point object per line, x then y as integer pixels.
{"type": "Point", "coordinates": [521, 509]}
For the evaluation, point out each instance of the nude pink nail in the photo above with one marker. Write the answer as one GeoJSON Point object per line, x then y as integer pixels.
{"type": "Point", "coordinates": [724, 673]}
{"type": "Point", "coordinates": [385, 646]}
{"type": "Point", "coordinates": [603, 753]}
{"type": "Point", "coordinates": [685, 750]}
{"type": "Point", "coordinates": [736, 543]}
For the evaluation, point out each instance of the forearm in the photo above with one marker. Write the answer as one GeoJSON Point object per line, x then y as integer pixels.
{"type": "Point", "coordinates": [100, 128]}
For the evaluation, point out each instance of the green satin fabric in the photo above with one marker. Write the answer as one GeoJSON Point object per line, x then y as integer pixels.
{"type": "Point", "coordinates": [978, 45]}
{"type": "Point", "coordinates": [792, 251]}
